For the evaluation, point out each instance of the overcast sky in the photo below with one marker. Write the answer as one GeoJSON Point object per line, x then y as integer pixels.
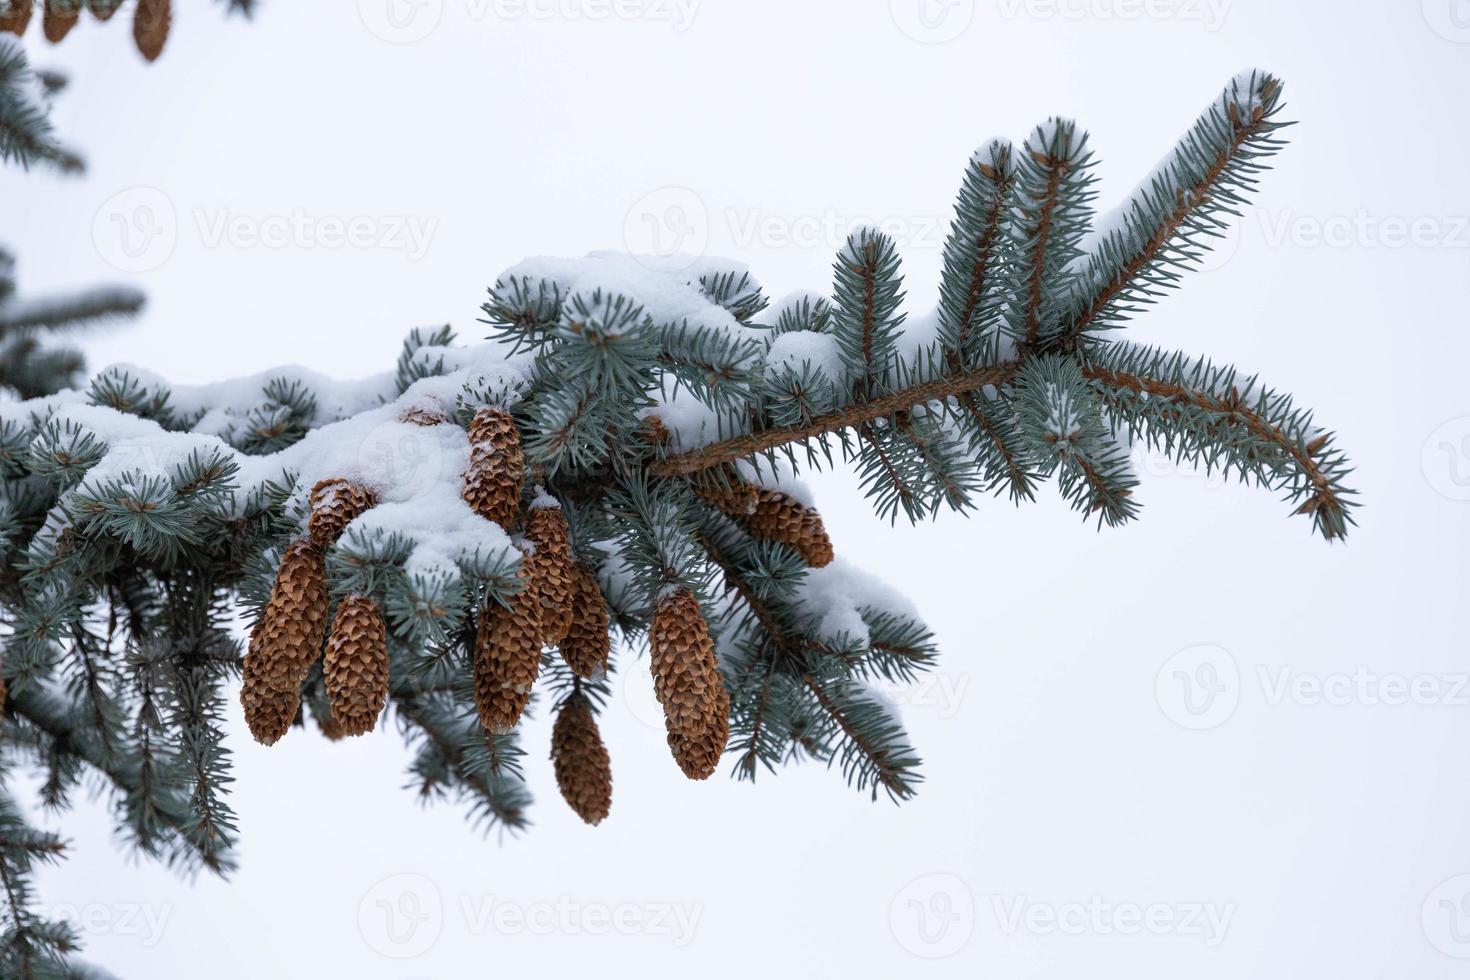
{"type": "Point", "coordinates": [307, 187]}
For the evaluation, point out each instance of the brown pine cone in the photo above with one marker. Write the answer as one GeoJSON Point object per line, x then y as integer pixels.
{"type": "Point", "coordinates": [356, 667]}
{"type": "Point", "coordinates": [4, 694]}
{"type": "Point", "coordinates": [507, 658]}
{"type": "Point", "coordinates": [769, 515]}
{"type": "Point", "coordinates": [269, 710]}
{"type": "Point", "coordinates": [779, 518]}
{"type": "Point", "coordinates": [151, 21]}
{"type": "Point", "coordinates": [16, 16]}
{"type": "Point", "coordinates": [551, 570]}
{"type": "Point", "coordinates": [336, 503]}
{"type": "Point", "coordinates": [583, 770]}
{"type": "Point", "coordinates": [686, 678]}
{"type": "Point", "coordinates": [288, 638]}
{"type": "Point", "coordinates": [497, 467]}
{"type": "Point", "coordinates": [587, 645]}
{"type": "Point", "coordinates": [59, 17]}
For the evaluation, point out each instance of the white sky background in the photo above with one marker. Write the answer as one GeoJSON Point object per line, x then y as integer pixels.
{"type": "Point", "coordinates": [1058, 776]}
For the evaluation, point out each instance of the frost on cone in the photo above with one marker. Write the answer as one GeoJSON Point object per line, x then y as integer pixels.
{"type": "Point", "coordinates": [586, 646]}
{"type": "Point", "coordinates": [151, 22]}
{"type": "Point", "coordinates": [551, 570]}
{"type": "Point", "coordinates": [59, 17]}
{"type": "Point", "coordinates": [583, 769]}
{"type": "Point", "coordinates": [356, 667]}
{"type": "Point", "coordinates": [336, 503]}
{"type": "Point", "coordinates": [496, 471]}
{"type": "Point", "coordinates": [769, 515]}
{"type": "Point", "coordinates": [285, 642]}
{"type": "Point", "coordinates": [507, 658]}
{"type": "Point", "coordinates": [686, 678]}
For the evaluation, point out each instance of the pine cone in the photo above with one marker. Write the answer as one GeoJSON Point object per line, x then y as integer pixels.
{"type": "Point", "coordinates": [103, 9]}
{"type": "Point", "coordinates": [686, 678]}
{"type": "Point", "coordinates": [336, 503]}
{"type": "Point", "coordinates": [507, 658]}
{"type": "Point", "coordinates": [497, 467]}
{"type": "Point", "coordinates": [150, 27]}
{"type": "Point", "coordinates": [769, 515]}
{"type": "Point", "coordinates": [59, 17]}
{"type": "Point", "coordinates": [288, 638]}
{"type": "Point", "coordinates": [583, 770]}
{"type": "Point", "coordinates": [16, 17]}
{"type": "Point", "coordinates": [356, 667]}
{"type": "Point", "coordinates": [551, 570]}
{"type": "Point", "coordinates": [586, 646]}
{"type": "Point", "coordinates": [4, 694]}
{"type": "Point", "coordinates": [269, 710]}
{"type": "Point", "coordinates": [779, 518]}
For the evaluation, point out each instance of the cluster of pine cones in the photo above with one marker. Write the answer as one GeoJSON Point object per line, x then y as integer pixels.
{"type": "Point", "coordinates": [559, 604]}
{"type": "Point", "coordinates": [151, 19]}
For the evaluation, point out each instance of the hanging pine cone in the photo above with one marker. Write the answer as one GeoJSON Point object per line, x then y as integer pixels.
{"type": "Point", "coordinates": [583, 770]}
{"type": "Point", "coordinates": [288, 638]}
{"type": "Point", "coordinates": [496, 470]}
{"type": "Point", "coordinates": [587, 645]}
{"type": "Point", "coordinates": [321, 713]}
{"type": "Point", "coordinates": [769, 515]}
{"type": "Point", "coordinates": [269, 709]}
{"type": "Point", "coordinates": [151, 21]}
{"type": "Point", "coordinates": [59, 17]}
{"type": "Point", "coordinates": [777, 517]}
{"type": "Point", "coordinates": [686, 678]}
{"type": "Point", "coordinates": [356, 666]}
{"type": "Point", "coordinates": [16, 16]}
{"type": "Point", "coordinates": [507, 658]}
{"type": "Point", "coordinates": [551, 570]}
{"type": "Point", "coordinates": [336, 503]}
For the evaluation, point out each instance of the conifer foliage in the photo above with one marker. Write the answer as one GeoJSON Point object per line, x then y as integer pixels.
{"type": "Point", "coordinates": [151, 19]}
{"type": "Point", "coordinates": [439, 547]}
